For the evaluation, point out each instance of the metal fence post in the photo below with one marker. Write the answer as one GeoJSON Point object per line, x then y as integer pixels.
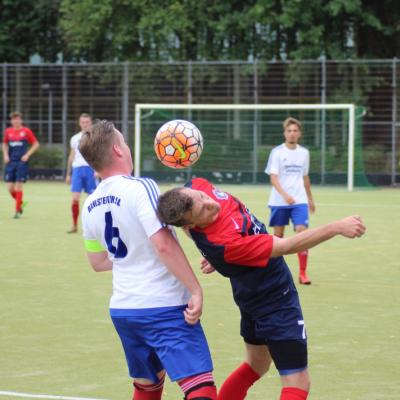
{"type": "Point", "coordinates": [125, 100]}
{"type": "Point", "coordinates": [255, 122]}
{"type": "Point", "coordinates": [323, 120]}
{"type": "Point", "coordinates": [64, 116]}
{"type": "Point", "coordinates": [394, 120]}
{"type": "Point", "coordinates": [4, 95]}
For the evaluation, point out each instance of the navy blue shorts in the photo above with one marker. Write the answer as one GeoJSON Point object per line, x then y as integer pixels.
{"type": "Point", "coordinates": [280, 215]}
{"type": "Point", "coordinates": [83, 179]}
{"type": "Point", "coordinates": [159, 338]}
{"type": "Point", "coordinates": [282, 329]}
{"type": "Point", "coordinates": [16, 171]}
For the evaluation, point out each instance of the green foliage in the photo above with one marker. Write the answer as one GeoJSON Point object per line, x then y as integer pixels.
{"type": "Point", "coordinates": [47, 157]}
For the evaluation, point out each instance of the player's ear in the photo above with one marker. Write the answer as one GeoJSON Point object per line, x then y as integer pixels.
{"type": "Point", "coordinates": [117, 150]}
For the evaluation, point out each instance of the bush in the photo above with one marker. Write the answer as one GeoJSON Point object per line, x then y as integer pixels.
{"type": "Point", "coordinates": [47, 157]}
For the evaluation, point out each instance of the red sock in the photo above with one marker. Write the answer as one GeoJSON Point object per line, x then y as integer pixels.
{"type": "Point", "coordinates": [75, 212]}
{"type": "Point", "coordinates": [238, 383]}
{"type": "Point", "coordinates": [148, 392]}
{"type": "Point", "coordinates": [303, 256]}
{"type": "Point", "coordinates": [18, 201]}
{"type": "Point", "coordinates": [13, 194]}
{"type": "Point", "coordinates": [292, 393]}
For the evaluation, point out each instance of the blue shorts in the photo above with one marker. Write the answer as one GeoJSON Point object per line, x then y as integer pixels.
{"type": "Point", "coordinates": [280, 215]}
{"type": "Point", "coordinates": [16, 171]}
{"type": "Point", "coordinates": [83, 179]}
{"type": "Point", "coordinates": [282, 329]}
{"type": "Point", "coordinates": [159, 338]}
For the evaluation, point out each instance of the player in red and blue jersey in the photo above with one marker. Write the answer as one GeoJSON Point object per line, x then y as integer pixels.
{"type": "Point", "coordinates": [19, 143]}
{"type": "Point", "coordinates": [237, 245]}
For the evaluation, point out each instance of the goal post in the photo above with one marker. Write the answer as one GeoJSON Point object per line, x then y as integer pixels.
{"type": "Point", "coordinates": [346, 120]}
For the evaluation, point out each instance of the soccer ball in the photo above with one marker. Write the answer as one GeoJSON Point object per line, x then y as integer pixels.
{"type": "Point", "coordinates": [178, 144]}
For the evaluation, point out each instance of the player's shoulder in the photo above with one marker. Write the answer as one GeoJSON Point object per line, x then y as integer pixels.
{"type": "Point", "coordinates": [198, 183]}
{"type": "Point", "coordinates": [76, 137]}
{"type": "Point", "coordinates": [277, 149]}
{"type": "Point", "coordinates": [302, 149]}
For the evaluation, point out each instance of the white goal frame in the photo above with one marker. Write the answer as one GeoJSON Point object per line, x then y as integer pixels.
{"type": "Point", "coordinates": [250, 107]}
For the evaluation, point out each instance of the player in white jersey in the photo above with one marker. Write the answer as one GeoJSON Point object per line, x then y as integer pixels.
{"type": "Point", "coordinates": [79, 174]}
{"type": "Point", "coordinates": [157, 300]}
{"type": "Point", "coordinates": [291, 196]}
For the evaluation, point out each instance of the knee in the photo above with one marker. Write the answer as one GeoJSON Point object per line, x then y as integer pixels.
{"type": "Point", "coordinates": [260, 365]}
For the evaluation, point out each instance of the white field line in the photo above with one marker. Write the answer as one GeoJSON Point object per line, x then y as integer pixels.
{"type": "Point", "coordinates": [43, 396]}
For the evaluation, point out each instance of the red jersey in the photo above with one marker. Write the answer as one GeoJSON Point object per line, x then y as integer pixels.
{"type": "Point", "coordinates": [18, 141]}
{"type": "Point", "coordinates": [235, 229]}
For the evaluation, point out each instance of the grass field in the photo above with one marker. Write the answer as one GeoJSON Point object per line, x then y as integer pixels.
{"type": "Point", "coordinates": [57, 339]}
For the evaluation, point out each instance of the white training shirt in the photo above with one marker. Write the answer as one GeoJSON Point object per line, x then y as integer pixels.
{"type": "Point", "coordinates": [78, 160]}
{"type": "Point", "coordinates": [291, 165]}
{"type": "Point", "coordinates": [121, 215]}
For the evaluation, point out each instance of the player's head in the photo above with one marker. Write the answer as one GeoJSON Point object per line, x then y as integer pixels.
{"type": "Point", "coordinates": [292, 130]}
{"type": "Point", "coordinates": [16, 119]}
{"type": "Point", "coordinates": [105, 150]}
{"type": "Point", "coordinates": [85, 122]}
{"type": "Point", "coordinates": [187, 207]}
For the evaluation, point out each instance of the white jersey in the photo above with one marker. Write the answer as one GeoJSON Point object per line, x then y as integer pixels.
{"type": "Point", "coordinates": [291, 165]}
{"type": "Point", "coordinates": [78, 160]}
{"type": "Point", "coordinates": [121, 215]}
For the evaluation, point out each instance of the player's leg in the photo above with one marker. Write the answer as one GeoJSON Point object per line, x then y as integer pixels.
{"type": "Point", "coordinates": [76, 188]}
{"type": "Point", "coordinates": [184, 353]}
{"type": "Point", "coordinates": [10, 177]}
{"type": "Point", "coordinates": [144, 366]}
{"type": "Point", "coordinates": [279, 218]}
{"type": "Point", "coordinates": [258, 361]}
{"type": "Point", "coordinates": [299, 216]}
{"type": "Point", "coordinates": [21, 177]}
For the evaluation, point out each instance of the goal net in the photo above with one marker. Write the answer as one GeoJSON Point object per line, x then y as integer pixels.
{"type": "Point", "coordinates": [239, 137]}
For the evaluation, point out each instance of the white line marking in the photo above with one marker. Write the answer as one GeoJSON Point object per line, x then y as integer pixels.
{"type": "Point", "coordinates": [43, 396]}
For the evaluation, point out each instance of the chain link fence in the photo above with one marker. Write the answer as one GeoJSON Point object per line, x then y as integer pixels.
{"type": "Point", "coordinates": [52, 96]}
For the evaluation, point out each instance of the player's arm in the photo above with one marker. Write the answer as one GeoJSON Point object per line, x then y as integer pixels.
{"type": "Point", "coordinates": [99, 261]}
{"type": "Point", "coordinates": [35, 145]}
{"type": "Point", "coordinates": [171, 254]}
{"type": "Point", "coordinates": [6, 158]}
{"type": "Point", "coordinates": [276, 184]}
{"type": "Point", "coordinates": [350, 227]}
{"type": "Point", "coordinates": [307, 186]}
{"type": "Point", "coordinates": [69, 166]}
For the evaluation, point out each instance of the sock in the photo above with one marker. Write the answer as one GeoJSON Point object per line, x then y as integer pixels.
{"type": "Point", "coordinates": [292, 393]}
{"type": "Point", "coordinates": [199, 387]}
{"type": "Point", "coordinates": [13, 194]}
{"type": "Point", "coordinates": [303, 256]}
{"type": "Point", "coordinates": [148, 392]}
{"type": "Point", "coordinates": [238, 383]}
{"type": "Point", "coordinates": [75, 212]}
{"type": "Point", "coordinates": [18, 201]}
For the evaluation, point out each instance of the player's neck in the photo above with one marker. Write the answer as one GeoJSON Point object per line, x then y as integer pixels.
{"type": "Point", "coordinates": [291, 146]}
{"type": "Point", "coordinates": [114, 172]}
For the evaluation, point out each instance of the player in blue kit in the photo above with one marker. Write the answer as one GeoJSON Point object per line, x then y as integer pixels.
{"type": "Point", "coordinates": [237, 245]}
{"type": "Point", "coordinates": [157, 300]}
{"type": "Point", "coordinates": [19, 143]}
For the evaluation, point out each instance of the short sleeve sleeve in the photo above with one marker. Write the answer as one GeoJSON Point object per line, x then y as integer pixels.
{"type": "Point", "coordinates": [306, 163]}
{"type": "Point", "coordinates": [31, 137]}
{"type": "Point", "coordinates": [273, 163]}
{"type": "Point", "coordinates": [146, 206]}
{"type": "Point", "coordinates": [5, 136]}
{"type": "Point", "coordinates": [92, 245]}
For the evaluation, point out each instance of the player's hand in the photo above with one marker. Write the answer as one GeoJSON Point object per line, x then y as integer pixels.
{"type": "Point", "coordinates": [68, 179]}
{"type": "Point", "coordinates": [352, 227]}
{"type": "Point", "coordinates": [25, 158]}
{"type": "Point", "coordinates": [194, 309]}
{"type": "Point", "coordinates": [206, 267]}
{"type": "Point", "coordinates": [289, 199]}
{"type": "Point", "coordinates": [311, 206]}
{"type": "Point", "coordinates": [6, 160]}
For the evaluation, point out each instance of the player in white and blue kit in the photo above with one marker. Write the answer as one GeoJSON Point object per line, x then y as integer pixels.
{"type": "Point", "coordinates": [79, 175]}
{"type": "Point", "coordinates": [157, 301]}
{"type": "Point", "coordinates": [291, 196]}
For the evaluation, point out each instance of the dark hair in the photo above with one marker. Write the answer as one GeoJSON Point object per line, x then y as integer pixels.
{"type": "Point", "coordinates": [173, 205]}
{"type": "Point", "coordinates": [95, 145]}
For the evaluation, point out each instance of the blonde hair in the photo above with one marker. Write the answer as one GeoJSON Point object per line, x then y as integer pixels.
{"type": "Point", "coordinates": [15, 114]}
{"type": "Point", "coordinates": [96, 144]}
{"type": "Point", "coordinates": [85, 115]}
{"type": "Point", "coordinates": [292, 121]}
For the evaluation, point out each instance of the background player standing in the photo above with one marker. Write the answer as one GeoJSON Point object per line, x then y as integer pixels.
{"type": "Point", "coordinates": [79, 174]}
{"type": "Point", "coordinates": [16, 153]}
{"type": "Point", "coordinates": [157, 300]}
{"type": "Point", "coordinates": [291, 196]}
{"type": "Point", "coordinates": [234, 242]}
